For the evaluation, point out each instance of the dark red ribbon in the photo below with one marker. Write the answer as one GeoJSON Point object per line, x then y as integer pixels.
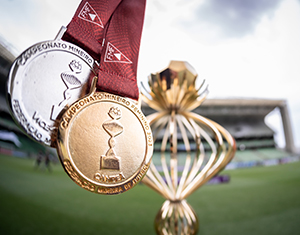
{"type": "Point", "coordinates": [110, 31]}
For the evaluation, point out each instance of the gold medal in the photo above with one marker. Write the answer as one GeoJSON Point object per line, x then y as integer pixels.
{"type": "Point", "coordinates": [104, 143]}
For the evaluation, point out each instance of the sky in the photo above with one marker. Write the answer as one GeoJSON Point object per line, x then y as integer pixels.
{"type": "Point", "coordinates": [242, 48]}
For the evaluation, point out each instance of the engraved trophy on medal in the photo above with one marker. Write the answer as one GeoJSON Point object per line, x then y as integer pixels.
{"type": "Point", "coordinates": [113, 128]}
{"type": "Point", "coordinates": [207, 146]}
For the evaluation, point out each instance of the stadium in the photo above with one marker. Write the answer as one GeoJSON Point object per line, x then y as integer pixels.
{"type": "Point", "coordinates": [257, 193]}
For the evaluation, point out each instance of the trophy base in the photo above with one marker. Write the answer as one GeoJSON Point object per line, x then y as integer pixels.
{"type": "Point", "coordinates": [110, 163]}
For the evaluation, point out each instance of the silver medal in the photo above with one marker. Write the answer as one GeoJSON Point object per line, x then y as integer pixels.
{"type": "Point", "coordinates": [43, 80]}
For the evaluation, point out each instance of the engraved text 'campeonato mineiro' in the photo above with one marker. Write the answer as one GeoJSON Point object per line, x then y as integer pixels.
{"type": "Point", "coordinates": [52, 45]}
{"type": "Point", "coordinates": [81, 103]}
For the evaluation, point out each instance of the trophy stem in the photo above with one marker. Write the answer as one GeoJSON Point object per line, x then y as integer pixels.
{"type": "Point", "coordinates": [173, 150]}
{"type": "Point", "coordinates": [176, 218]}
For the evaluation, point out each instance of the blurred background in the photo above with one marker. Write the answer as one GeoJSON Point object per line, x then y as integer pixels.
{"type": "Point", "coordinates": [243, 49]}
{"type": "Point", "coordinates": [248, 51]}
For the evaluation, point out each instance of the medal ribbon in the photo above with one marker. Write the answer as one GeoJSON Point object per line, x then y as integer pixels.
{"type": "Point", "coordinates": [110, 31]}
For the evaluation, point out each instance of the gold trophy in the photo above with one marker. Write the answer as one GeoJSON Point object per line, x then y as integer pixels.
{"type": "Point", "coordinates": [193, 148]}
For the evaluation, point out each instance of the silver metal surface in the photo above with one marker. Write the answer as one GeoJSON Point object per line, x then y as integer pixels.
{"type": "Point", "coordinates": [60, 33]}
{"type": "Point", "coordinates": [43, 80]}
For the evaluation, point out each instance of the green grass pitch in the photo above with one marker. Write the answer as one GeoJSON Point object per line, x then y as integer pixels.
{"type": "Point", "coordinates": [261, 200]}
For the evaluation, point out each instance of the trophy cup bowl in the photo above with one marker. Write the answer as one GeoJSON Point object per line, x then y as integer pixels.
{"type": "Point", "coordinates": [192, 148]}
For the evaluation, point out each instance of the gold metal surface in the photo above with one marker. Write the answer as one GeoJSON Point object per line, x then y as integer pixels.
{"type": "Point", "coordinates": [105, 143]}
{"type": "Point", "coordinates": [173, 92]}
{"type": "Point", "coordinates": [179, 213]}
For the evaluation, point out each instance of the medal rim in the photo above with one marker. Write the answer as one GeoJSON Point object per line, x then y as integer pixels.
{"type": "Point", "coordinates": [90, 184]}
{"type": "Point", "coordinates": [16, 75]}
